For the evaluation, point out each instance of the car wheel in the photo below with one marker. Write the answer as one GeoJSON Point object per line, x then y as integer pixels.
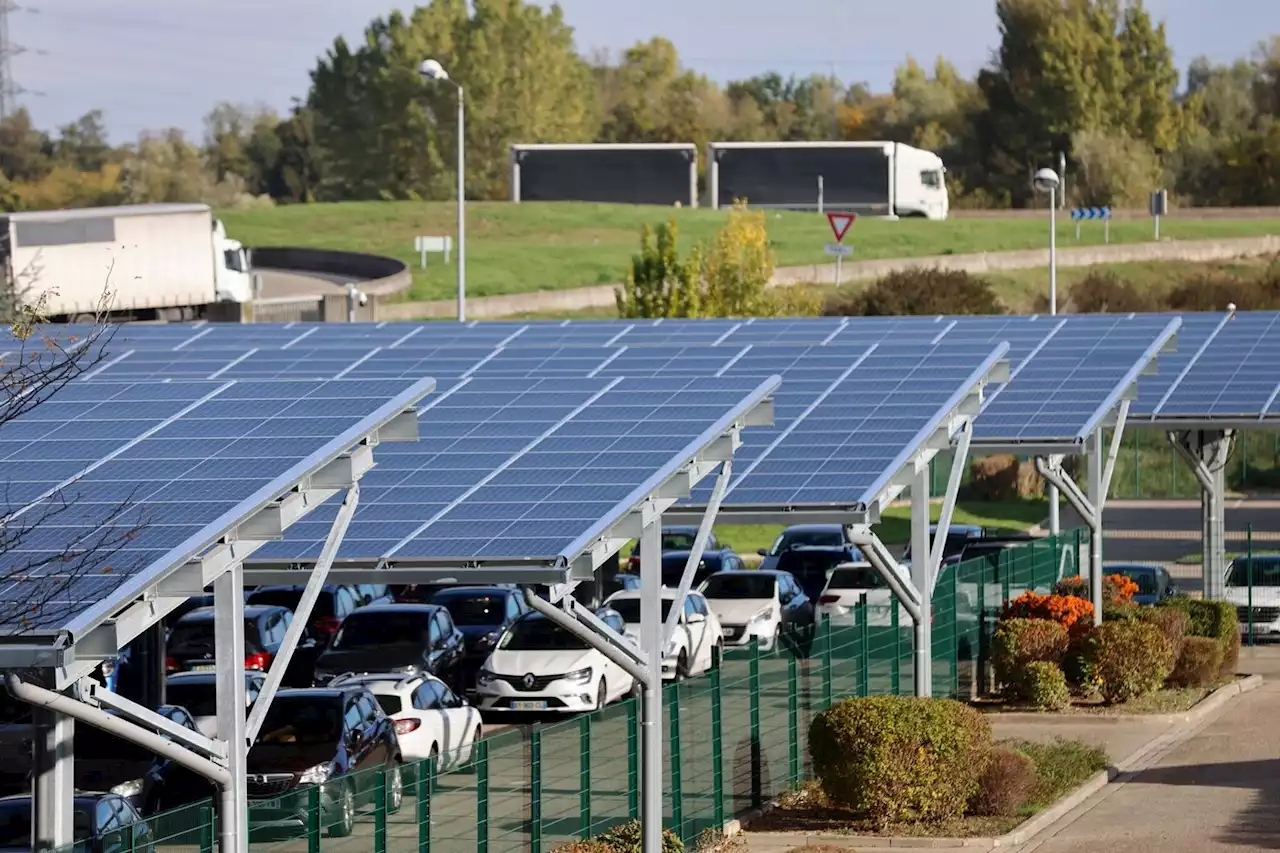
{"type": "Point", "coordinates": [395, 787]}
{"type": "Point", "coordinates": [682, 667]}
{"type": "Point", "coordinates": [602, 696]}
{"type": "Point", "coordinates": [346, 820]}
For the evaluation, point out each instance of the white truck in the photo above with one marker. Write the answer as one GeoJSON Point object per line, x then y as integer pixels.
{"type": "Point", "coordinates": [169, 262]}
{"type": "Point", "coordinates": [868, 178]}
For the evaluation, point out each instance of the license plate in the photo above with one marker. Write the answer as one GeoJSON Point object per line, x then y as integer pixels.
{"type": "Point", "coordinates": [528, 705]}
{"type": "Point", "coordinates": [202, 667]}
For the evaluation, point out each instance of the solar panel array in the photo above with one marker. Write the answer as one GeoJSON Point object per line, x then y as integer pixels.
{"type": "Point", "coordinates": [109, 479]}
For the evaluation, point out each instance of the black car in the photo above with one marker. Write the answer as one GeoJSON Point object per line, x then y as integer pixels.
{"type": "Point", "coordinates": [168, 784]}
{"type": "Point", "coordinates": [481, 614]}
{"type": "Point", "coordinates": [322, 736]}
{"type": "Point", "coordinates": [811, 566]}
{"type": "Point", "coordinates": [991, 547]}
{"type": "Point", "coordinates": [959, 537]}
{"type": "Point", "coordinates": [191, 645]}
{"type": "Point", "coordinates": [677, 544]}
{"type": "Point", "coordinates": [335, 603]}
{"type": "Point", "coordinates": [398, 638]}
{"type": "Point", "coordinates": [100, 823]}
{"type": "Point", "coordinates": [825, 536]}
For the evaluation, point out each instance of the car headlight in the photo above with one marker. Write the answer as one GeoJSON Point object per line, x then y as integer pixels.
{"type": "Point", "coordinates": [489, 639]}
{"type": "Point", "coordinates": [411, 669]}
{"type": "Point", "coordinates": [484, 678]}
{"type": "Point", "coordinates": [762, 617]}
{"type": "Point", "coordinates": [132, 788]}
{"type": "Point", "coordinates": [581, 676]}
{"type": "Point", "coordinates": [317, 775]}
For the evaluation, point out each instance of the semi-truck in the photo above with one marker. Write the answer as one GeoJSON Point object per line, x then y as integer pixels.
{"type": "Point", "coordinates": [869, 178]}
{"type": "Point", "coordinates": [168, 262]}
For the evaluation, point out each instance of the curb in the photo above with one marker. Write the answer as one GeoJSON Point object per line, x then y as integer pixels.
{"type": "Point", "coordinates": [1033, 826]}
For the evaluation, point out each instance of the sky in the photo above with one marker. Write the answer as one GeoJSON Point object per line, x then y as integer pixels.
{"type": "Point", "coordinates": [153, 64]}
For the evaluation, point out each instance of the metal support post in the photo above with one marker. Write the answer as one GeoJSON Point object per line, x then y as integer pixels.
{"type": "Point", "coordinates": [651, 702]}
{"type": "Point", "coordinates": [1207, 452]}
{"type": "Point", "coordinates": [921, 580]}
{"type": "Point", "coordinates": [228, 631]}
{"type": "Point", "coordinates": [1097, 497]}
{"type": "Point", "coordinates": [695, 553]}
{"type": "Point", "coordinates": [462, 209]}
{"type": "Point", "coordinates": [53, 772]}
{"type": "Point", "coordinates": [1055, 510]}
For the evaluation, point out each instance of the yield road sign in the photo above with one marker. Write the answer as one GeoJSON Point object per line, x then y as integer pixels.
{"type": "Point", "coordinates": [837, 249]}
{"type": "Point", "coordinates": [841, 223]}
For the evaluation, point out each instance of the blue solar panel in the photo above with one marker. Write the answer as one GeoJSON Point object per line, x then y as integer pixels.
{"type": "Point", "coordinates": [1235, 375]}
{"type": "Point", "coordinates": [514, 468]}
{"type": "Point", "coordinates": [108, 480]}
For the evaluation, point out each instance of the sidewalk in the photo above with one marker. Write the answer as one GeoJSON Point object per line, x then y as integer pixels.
{"type": "Point", "coordinates": [1216, 790]}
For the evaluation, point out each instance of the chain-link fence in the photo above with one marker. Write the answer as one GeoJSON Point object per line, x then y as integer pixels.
{"type": "Point", "coordinates": [735, 738]}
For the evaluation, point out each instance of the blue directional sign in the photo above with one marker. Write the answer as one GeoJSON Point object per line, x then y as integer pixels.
{"type": "Point", "coordinates": [1079, 213]}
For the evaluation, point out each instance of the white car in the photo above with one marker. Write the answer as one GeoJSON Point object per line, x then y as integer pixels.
{"type": "Point", "coordinates": [430, 719]}
{"type": "Point", "coordinates": [1265, 598]}
{"type": "Point", "coordinates": [846, 586]}
{"type": "Point", "coordinates": [539, 667]}
{"type": "Point", "coordinates": [698, 640]}
{"type": "Point", "coordinates": [757, 603]}
{"type": "Point", "coordinates": [197, 692]}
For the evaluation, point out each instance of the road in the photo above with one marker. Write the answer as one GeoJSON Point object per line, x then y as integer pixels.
{"type": "Point", "coordinates": [286, 284]}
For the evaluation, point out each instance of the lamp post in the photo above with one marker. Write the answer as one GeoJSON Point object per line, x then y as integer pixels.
{"type": "Point", "coordinates": [432, 70]}
{"type": "Point", "coordinates": [1047, 181]}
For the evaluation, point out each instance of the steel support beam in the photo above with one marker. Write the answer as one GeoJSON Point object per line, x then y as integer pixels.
{"type": "Point", "coordinates": [302, 616]}
{"type": "Point", "coordinates": [143, 716]}
{"type": "Point", "coordinates": [1206, 453]}
{"type": "Point", "coordinates": [53, 774]}
{"type": "Point", "coordinates": [228, 630]}
{"type": "Point", "coordinates": [921, 580]}
{"type": "Point", "coordinates": [1097, 499]}
{"type": "Point", "coordinates": [651, 700]}
{"type": "Point", "coordinates": [597, 639]}
{"type": "Point", "coordinates": [695, 553]}
{"type": "Point", "coordinates": [959, 462]}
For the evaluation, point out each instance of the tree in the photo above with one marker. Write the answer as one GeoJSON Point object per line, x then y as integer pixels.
{"type": "Point", "coordinates": [25, 151]}
{"type": "Point", "coordinates": [648, 97]}
{"type": "Point", "coordinates": [660, 283]}
{"type": "Point", "coordinates": [83, 144]}
{"type": "Point", "coordinates": [1113, 169]}
{"type": "Point", "coordinates": [242, 141]}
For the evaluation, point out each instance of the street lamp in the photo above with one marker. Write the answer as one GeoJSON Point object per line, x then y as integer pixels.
{"type": "Point", "coordinates": [1046, 181]}
{"type": "Point", "coordinates": [432, 70]}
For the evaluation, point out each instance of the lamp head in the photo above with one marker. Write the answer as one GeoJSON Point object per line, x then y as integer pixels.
{"type": "Point", "coordinates": [1045, 180]}
{"type": "Point", "coordinates": [432, 70]}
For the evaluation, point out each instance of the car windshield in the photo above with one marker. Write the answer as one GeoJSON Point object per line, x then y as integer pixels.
{"type": "Point", "coordinates": [290, 597]}
{"type": "Point", "coordinates": [15, 823]}
{"type": "Point", "coordinates": [200, 699]}
{"type": "Point", "coordinates": [196, 637]}
{"type": "Point", "coordinates": [389, 703]}
{"type": "Point", "coordinates": [301, 720]}
{"type": "Point", "coordinates": [951, 546]}
{"type": "Point", "coordinates": [538, 635]}
{"type": "Point", "coordinates": [629, 609]}
{"type": "Point", "coordinates": [806, 538]}
{"type": "Point", "coordinates": [855, 577]}
{"type": "Point", "coordinates": [1144, 578]}
{"type": "Point", "coordinates": [740, 585]}
{"type": "Point", "coordinates": [1266, 571]}
{"type": "Point", "coordinates": [363, 630]}
{"type": "Point", "coordinates": [474, 609]}
{"type": "Point", "coordinates": [671, 541]}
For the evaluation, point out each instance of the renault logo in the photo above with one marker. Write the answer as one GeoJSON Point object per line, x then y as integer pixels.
{"type": "Point", "coordinates": [529, 681]}
{"type": "Point", "coordinates": [258, 779]}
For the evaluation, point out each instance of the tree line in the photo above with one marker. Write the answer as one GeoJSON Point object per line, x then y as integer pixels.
{"type": "Point", "coordinates": [1091, 80]}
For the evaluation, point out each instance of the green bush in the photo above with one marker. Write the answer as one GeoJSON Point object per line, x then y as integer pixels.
{"type": "Point", "coordinates": [1006, 786]}
{"type": "Point", "coordinates": [1199, 664]}
{"type": "Point", "coordinates": [1045, 686]}
{"type": "Point", "coordinates": [917, 290]}
{"type": "Point", "coordinates": [895, 759]}
{"type": "Point", "coordinates": [1119, 611]}
{"type": "Point", "coordinates": [1231, 656]}
{"type": "Point", "coordinates": [626, 838]}
{"type": "Point", "coordinates": [1016, 643]}
{"type": "Point", "coordinates": [1103, 292]}
{"type": "Point", "coordinates": [1172, 622]}
{"type": "Point", "coordinates": [1126, 659]}
{"type": "Point", "coordinates": [1215, 619]}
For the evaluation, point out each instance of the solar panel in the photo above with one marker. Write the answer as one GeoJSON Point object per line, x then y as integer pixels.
{"type": "Point", "coordinates": [519, 469]}
{"type": "Point", "coordinates": [1234, 375]}
{"type": "Point", "coordinates": [108, 481]}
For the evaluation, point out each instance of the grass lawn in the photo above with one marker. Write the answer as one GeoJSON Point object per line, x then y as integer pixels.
{"type": "Point", "coordinates": [517, 248]}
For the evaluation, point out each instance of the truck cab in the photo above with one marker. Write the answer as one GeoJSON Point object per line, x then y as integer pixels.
{"type": "Point", "coordinates": [920, 186]}
{"type": "Point", "coordinates": [232, 280]}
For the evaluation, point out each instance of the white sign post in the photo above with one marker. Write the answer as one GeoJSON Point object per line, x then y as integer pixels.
{"type": "Point", "coordinates": [840, 224]}
{"type": "Point", "coordinates": [441, 245]}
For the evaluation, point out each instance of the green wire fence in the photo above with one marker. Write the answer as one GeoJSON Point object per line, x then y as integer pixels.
{"type": "Point", "coordinates": [735, 738]}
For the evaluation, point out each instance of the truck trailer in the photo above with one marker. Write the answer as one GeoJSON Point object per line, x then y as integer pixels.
{"type": "Point", "coordinates": [868, 178]}
{"type": "Point", "coordinates": [169, 262]}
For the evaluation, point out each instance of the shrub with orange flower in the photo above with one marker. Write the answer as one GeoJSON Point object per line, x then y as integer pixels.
{"type": "Point", "coordinates": [1074, 614]}
{"type": "Point", "coordinates": [1118, 589]}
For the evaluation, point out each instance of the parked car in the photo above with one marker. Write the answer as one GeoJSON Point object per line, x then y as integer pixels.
{"type": "Point", "coordinates": [197, 692]}
{"type": "Point", "coordinates": [421, 593]}
{"type": "Point", "coordinates": [677, 543]}
{"type": "Point", "coordinates": [1154, 582]}
{"type": "Point", "coordinates": [1264, 579]}
{"type": "Point", "coordinates": [107, 822]}
{"type": "Point", "coordinates": [405, 639]}
{"type": "Point", "coordinates": [430, 719]}
{"type": "Point", "coordinates": [767, 605]}
{"type": "Point", "coordinates": [810, 536]}
{"type": "Point", "coordinates": [958, 537]}
{"type": "Point", "coordinates": [812, 565]}
{"type": "Point", "coordinates": [167, 784]}
{"type": "Point", "coordinates": [191, 646]}
{"type": "Point", "coordinates": [991, 547]}
{"type": "Point", "coordinates": [334, 604]}
{"type": "Point", "coordinates": [698, 642]}
{"type": "Point", "coordinates": [481, 614]}
{"type": "Point", "coordinates": [322, 736]}
{"type": "Point", "coordinates": [848, 585]}
{"type": "Point", "coordinates": [540, 667]}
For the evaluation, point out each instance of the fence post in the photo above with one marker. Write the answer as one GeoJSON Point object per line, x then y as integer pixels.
{"type": "Point", "coordinates": [426, 784]}
{"type": "Point", "coordinates": [753, 682]}
{"type": "Point", "coordinates": [482, 797]}
{"type": "Point", "coordinates": [380, 812]}
{"type": "Point", "coordinates": [717, 743]}
{"type": "Point", "coordinates": [1248, 544]}
{"type": "Point", "coordinates": [584, 774]}
{"type": "Point", "coordinates": [535, 789]}
{"type": "Point", "coordinates": [895, 666]}
{"type": "Point", "coordinates": [1137, 468]}
{"type": "Point", "coordinates": [826, 661]}
{"type": "Point", "coordinates": [793, 721]}
{"type": "Point", "coordinates": [313, 819]}
{"type": "Point", "coordinates": [955, 633]}
{"type": "Point", "coordinates": [633, 760]}
{"type": "Point", "coordinates": [206, 829]}
{"type": "Point", "coordinates": [133, 837]}
{"type": "Point", "coordinates": [864, 647]}
{"type": "Point", "coordinates": [677, 782]}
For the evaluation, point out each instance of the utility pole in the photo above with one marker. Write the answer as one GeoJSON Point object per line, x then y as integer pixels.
{"type": "Point", "coordinates": [9, 88]}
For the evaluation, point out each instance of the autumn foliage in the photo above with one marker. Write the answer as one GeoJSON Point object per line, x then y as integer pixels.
{"type": "Point", "coordinates": [1118, 588]}
{"type": "Point", "coordinates": [1070, 612]}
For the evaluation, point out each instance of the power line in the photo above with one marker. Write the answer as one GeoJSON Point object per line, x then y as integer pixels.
{"type": "Point", "coordinates": [10, 89]}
